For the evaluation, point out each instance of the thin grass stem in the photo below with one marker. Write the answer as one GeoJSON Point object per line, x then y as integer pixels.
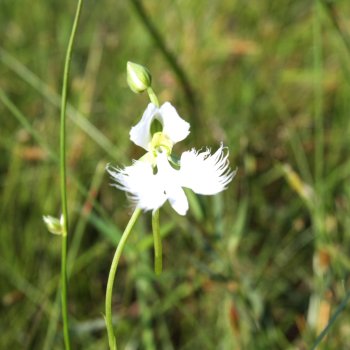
{"type": "Point", "coordinates": [318, 95]}
{"type": "Point", "coordinates": [326, 330]}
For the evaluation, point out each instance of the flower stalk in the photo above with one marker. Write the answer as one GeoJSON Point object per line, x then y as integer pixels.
{"type": "Point", "coordinates": [111, 277]}
{"type": "Point", "coordinates": [153, 97]}
{"type": "Point", "coordinates": [158, 261]}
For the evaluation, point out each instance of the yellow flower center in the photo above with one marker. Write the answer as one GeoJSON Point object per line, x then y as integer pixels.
{"type": "Point", "coordinates": [160, 143]}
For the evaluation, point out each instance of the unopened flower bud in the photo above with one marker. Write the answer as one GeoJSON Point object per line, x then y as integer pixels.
{"type": "Point", "coordinates": [53, 224]}
{"type": "Point", "coordinates": [138, 77]}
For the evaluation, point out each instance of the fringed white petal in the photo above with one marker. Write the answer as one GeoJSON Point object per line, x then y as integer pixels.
{"type": "Point", "coordinates": [174, 126]}
{"type": "Point", "coordinates": [140, 134]}
{"type": "Point", "coordinates": [140, 184]}
{"type": "Point", "coordinates": [205, 173]}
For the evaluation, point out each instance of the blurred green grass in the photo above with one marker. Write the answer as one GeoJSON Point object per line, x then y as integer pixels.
{"type": "Point", "coordinates": [262, 266]}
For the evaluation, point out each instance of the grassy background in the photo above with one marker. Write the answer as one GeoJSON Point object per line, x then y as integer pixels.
{"type": "Point", "coordinates": [266, 264]}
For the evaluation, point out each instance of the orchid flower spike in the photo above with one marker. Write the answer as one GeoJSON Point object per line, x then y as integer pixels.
{"type": "Point", "coordinates": [157, 176]}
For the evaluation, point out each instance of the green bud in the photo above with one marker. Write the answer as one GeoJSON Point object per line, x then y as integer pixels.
{"type": "Point", "coordinates": [53, 224]}
{"type": "Point", "coordinates": [138, 77]}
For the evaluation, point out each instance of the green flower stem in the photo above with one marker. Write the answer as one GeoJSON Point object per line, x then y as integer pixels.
{"type": "Point", "coordinates": [158, 263]}
{"type": "Point", "coordinates": [111, 336]}
{"type": "Point", "coordinates": [64, 292]}
{"type": "Point", "coordinates": [152, 96]}
{"type": "Point", "coordinates": [64, 178]}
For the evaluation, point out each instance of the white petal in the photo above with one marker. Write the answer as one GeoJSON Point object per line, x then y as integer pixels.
{"type": "Point", "coordinates": [141, 185]}
{"type": "Point", "coordinates": [174, 126]}
{"type": "Point", "coordinates": [170, 182]}
{"type": "Point", "coordinates": [140, 134]}
{"type": "Point", "coordinates": [205, 173]}
{"type": "Point", "coordinates": [177, 199]}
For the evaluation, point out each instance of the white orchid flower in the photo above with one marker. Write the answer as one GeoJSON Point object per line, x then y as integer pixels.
{"type": "Point", "coordinates": [157, 177]}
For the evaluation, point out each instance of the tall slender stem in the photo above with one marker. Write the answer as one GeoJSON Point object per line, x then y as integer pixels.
{"type": "Point", "coordinates": [64, 293]}
{"type": "Point", "coordinates": [64, 178]}
{"type": "Point", "coordinates": [109, 291]}
{"type": "Point", "coordinates": [158, 263]}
